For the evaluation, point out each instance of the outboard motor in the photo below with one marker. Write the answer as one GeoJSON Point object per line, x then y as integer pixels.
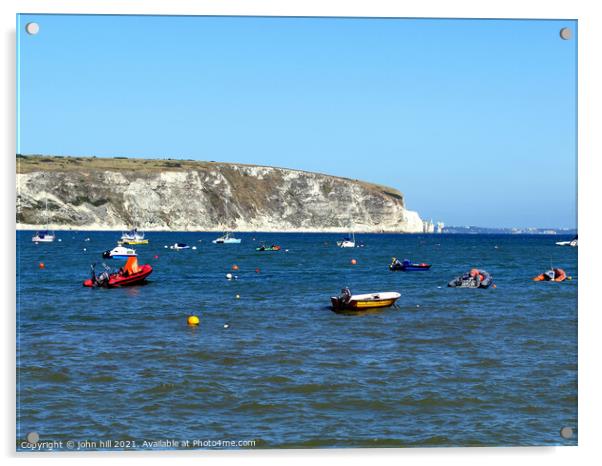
{"type": "Point", "coordinates": [550, 274]}
{"type": "Point", "coordinates": [345, 295]}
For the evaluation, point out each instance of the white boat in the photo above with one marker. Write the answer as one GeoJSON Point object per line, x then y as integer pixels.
{"type": "Point", "coordinates": [572, 243]}
{"type": "Point", "coordinates": [226, 239]}
{"type": "Point", "coordinates": [119, 252]}
{"type": "Point", "coordinates": [178, 246]}
{"type": "Point", "coordinates": [348, 242]}
{"type": "Point", "coordinates": [44, 236]}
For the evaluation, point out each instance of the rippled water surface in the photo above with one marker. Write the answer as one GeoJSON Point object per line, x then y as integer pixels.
{"type": "Point", "coordinates": [446, 367]}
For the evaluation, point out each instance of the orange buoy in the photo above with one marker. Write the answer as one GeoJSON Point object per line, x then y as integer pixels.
{"type": "Point", "coordinates": [41, 265]}
{"type": "Point", "coordinates": [353, 262]}
{"type": "Point", "coordinates": [235, 267]}
{"type": "Point", "coordinates": [257, 270]}
{"type": "Point", "coordinates": [494, 285]}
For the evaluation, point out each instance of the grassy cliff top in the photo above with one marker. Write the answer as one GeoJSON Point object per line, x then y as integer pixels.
{"type": "Point", "coordinates": [55, 163]}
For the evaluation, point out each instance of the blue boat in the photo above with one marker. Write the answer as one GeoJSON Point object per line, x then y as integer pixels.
{"type": "Point", "coordinates": [407, 266]}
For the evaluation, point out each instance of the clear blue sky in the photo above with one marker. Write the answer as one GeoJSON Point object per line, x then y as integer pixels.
{"type": "Point", "coordinates": [473, 120]}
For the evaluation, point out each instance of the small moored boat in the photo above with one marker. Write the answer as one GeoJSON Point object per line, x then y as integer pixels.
{"type": "Point", "coordinates": [347, 242]}
{"type": "Point", "coordinates": [44, 236]}
{"type": "Point", "coordinates": [407, 266]}
{"type": "Point", "coordinates": [226, 239]}
{"type": "Point", "coordinates": [119, 252]}
{"type": "Point", "coordinates": [133, 237]}
{"type": "Point", "coordinates": [573, 243]}
{"type": "Point", "coordinates": [179, 246]}
{"type": "Point", "coordinates": [553, 275]}
{"type": "Point", "coordinates": [476, 278]}
{"type": "Point", "coordinates": [363, 302]}
{"type": "Point", "coordinates": [130, 274]}
{"type": "Point", "coordinates": [273, 247]}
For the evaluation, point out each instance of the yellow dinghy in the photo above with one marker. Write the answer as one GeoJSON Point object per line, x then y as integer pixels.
{"type": "Point", "coordinates": [132, 242]}
{"type": "Point", "coordinates": [363, 302]}
{"type": "Point", "coordinates": [133, 237]}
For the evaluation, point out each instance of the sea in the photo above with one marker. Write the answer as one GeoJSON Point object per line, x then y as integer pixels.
{"type": "Point", "coordinates": [272, 366]}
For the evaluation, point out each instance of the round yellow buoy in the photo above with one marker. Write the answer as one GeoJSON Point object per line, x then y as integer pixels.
{"type": "Point", "coordinates": [353, 262]}
{"type": "Point", "coordinates": [41, 265]}
{"type": "Point", "coordinates": [193, 320]}
{"type": "Point", "coordinates": [235, 267]}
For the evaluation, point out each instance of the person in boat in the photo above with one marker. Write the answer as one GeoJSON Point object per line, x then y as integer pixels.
{"type": "Point", "coordinates": [552, 275]}
{"type": "Point", "coordinates": [99, 280]}
{"type": "Point", "coordinates": [475, 278]}
{"type": "Point", "coordinates": [395, 263]}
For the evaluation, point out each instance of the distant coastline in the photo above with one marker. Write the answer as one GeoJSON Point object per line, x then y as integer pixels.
{"type": "Point", "coordinates": [453, 231]}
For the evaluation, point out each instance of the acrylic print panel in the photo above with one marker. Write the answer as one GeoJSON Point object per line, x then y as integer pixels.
{"type": "Point", "coordinates": [255, 232]}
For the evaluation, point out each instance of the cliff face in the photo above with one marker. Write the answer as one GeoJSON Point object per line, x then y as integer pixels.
{"type": "Point", "coordinates": [94, 193]}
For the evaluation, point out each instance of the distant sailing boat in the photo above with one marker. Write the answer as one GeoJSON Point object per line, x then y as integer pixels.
{"type": "Point", "coordinates": [44, 236]}
{"type": "Point", "coordinates": [347, 242]}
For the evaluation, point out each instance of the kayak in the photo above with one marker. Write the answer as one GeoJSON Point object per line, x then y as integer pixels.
{"type": "Point", "coordinates": [116, 280]}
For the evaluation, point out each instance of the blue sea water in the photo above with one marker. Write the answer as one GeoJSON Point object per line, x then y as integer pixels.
{"type": "Point", "coordinates": [446, 367]}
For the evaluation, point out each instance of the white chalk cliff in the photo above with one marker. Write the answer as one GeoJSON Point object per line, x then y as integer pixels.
{"type": "Point", "coordinates": [94, 193]}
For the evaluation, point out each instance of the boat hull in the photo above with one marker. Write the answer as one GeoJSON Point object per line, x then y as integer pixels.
{"type": "Point", "coordinates": [364, 302]}
{"type": "Point", "coordinates": [133, 242]}
{"type": "Point", "coordinates": [410, 268]}
{"type": "Point", "coordinates": [42, 240]}
{"type": "Point", "coordinates": [116, 281]}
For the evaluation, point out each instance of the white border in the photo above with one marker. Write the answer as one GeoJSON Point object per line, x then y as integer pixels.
{"type": "Point", "coordinates": [590, 128]}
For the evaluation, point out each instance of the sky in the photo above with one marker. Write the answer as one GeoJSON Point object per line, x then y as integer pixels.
{"type": "Point", "coordinates": [474, 121]}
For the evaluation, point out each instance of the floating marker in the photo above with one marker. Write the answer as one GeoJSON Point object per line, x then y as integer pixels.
{"type": "Point", "coordinates": [41, 265]}
{"type": "Point", "coordinates": [235, 267]}
{"type": "Point", "coordinates": [257, 270]}
{"type": "Point", "coordinates": [156, 257]}
{"type": "Point", "coordinates": [353, 262]}
{"type": "Point", "coordinates": [226, 325]}
{"type": "Point", "coordinates": [237, 296]}
{"type": "Point", "coordinates": [193, 320]}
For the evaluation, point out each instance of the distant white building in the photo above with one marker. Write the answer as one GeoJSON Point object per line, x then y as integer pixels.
{"type": "Point", "coordinates": [428, 226]}
{"type": "Point", "coordinates": [440, 226]}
